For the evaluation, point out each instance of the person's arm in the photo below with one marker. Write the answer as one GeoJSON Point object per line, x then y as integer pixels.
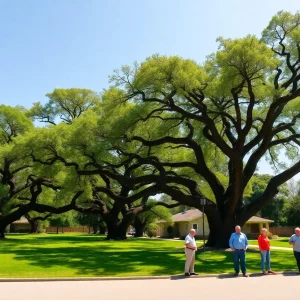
{"type": "Point", "coordinates": [188, 245]}
{"type": "Point", "coordinates": [246, 242]}
{"type": "Point", "coordinates": [291, 241]}
{"type": "Point", "coordinates": [259, 243]}
{"type": "Point", "coordinates": [231, 242]}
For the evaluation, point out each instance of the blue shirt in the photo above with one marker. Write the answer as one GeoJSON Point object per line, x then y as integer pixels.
{"type": "Point", "coordinates": [238, 241]}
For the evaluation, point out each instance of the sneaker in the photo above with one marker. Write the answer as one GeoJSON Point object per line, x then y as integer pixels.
{"type": "Point", "coordinates": [236, 274]}
{"type": "Point", "coordinates": [187, 274]}
{"type": "Point", "coordinates": [271, 272]}
{"type": "Point", "coordinates": [265, 272]}
{"type": "Point", "coordinates": [245, 275]}
{"type": "Point", "coordinates": [194, 273]}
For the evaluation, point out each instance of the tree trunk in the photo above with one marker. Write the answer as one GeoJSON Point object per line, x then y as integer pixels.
{"type": "Point", "coordinates": [95, 229]}
{"type": "Point", "coordinates": [2, 233]}
{"type": "Point", "coordinates": [10, 218]}
{"type": "Point", "coordinates": [102, 229]}
{"type": "Point", "coordinates": [139, 228]}
{"type": "Point", "coordinates": [116, 228]}
{"type": "Point", "coordinates": [220, 228]}
{"type": "Point", "coordinates": [33, 226]}
{"type": "Point", "coordinates": [114, 232]}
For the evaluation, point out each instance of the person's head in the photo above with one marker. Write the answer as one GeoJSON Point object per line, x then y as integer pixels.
{"type": "Point", "coordinates": [192, 232]}
{"type": "Point", "coordinates": [264, 232]}
{"type": "Point", "coordinates": [238, 229]}
{"type": "Point", "coordinates": [297, 231]}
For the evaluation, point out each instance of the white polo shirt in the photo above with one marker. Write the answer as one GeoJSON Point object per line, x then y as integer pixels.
{"type": "Point", "coordinates": [190, 240]}
{"type": "Point", "coordinates": [296, 240]}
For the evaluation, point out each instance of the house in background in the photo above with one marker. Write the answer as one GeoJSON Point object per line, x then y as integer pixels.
{"type": "Point", "coordinates": [193, 218]}
{"type": "Point", "coordinates": [20, 226]}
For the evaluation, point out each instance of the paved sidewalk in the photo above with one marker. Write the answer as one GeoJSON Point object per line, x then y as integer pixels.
{"type": "Point", "coordinates": [224, 287]}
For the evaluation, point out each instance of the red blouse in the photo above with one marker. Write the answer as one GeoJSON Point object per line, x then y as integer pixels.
{"type": "Point", "coordinates": [263, 243]}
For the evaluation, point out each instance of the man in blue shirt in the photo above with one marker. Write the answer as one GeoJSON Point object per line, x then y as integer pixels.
{"type": "Point", "coordinates": [239, 243]}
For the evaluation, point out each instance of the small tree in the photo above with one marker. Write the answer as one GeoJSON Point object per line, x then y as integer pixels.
{"type": "Point", "coordinates": [92, 220]}
{"type": "Point", "coordinates": [63, 220]}
{"type": "Point", "coordinates": [151, 230]}
{"type": "Point", "coordinates": [149, 217]}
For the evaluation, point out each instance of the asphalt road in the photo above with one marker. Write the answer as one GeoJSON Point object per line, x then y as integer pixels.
{"type": "Point", "coordinates": [275, 287]}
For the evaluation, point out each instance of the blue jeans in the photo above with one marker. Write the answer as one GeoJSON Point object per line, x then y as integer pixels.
{"type": "Point", "coordinates": [239, 257]}
{"type": "Point", "coordinates": [297, 256]}
{"type": "Point", "coordinates": [265, 259]}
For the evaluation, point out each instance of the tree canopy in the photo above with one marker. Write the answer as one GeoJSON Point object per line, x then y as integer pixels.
{"type": "Point", "coordinates": [168, 126]}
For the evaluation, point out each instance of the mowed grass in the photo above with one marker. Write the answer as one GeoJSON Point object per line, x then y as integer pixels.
{"type": "Point", "coordinates": [282, 242]}
{"type": "Point", "coordinates": [82, 255]}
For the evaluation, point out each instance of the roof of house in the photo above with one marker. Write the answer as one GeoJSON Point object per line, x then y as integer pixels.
{"type": "Point", "coordinates": [193, 214]}
{"type": "Point", "coordinates": [187, 215]}
{"type": "Point", "coordinates": [23, 220]}
{"type": "Point", "coordinates": [256, 219]}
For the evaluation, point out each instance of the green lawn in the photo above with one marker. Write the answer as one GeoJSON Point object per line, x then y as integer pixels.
{"type": "Point", "coordinates": [282, 242]}
{"type": "Point", "coordinates": [82, 255]}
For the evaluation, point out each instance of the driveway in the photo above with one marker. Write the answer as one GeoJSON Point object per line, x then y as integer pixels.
{"type": "Point", "coordinates": [275, 287]}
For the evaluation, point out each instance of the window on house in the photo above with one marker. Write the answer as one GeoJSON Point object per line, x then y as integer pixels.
{"type": "Point", "coordinates": [195, 226]}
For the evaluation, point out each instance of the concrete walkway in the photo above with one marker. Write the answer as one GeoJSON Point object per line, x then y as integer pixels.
{"type": "Point", "coordinates": [224, 287]}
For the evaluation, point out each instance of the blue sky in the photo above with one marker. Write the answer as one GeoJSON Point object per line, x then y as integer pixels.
{"type": "Point", "coordinates": [78, 43]}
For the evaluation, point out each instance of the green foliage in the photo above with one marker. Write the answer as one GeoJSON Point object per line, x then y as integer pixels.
{"type": "Point", "coordinates": [13, 122]}
{"type": "Point", "coordinates": [90, 220]}
{"type": "Point", "coordinates": [243, 58]}
{"type": "Point", "coordinates": [64, 220]}
{"type": "Point", "coordinates": [162, 74]}
{"type": "Point", "coordinates": [292, 212]}
{"type": "Point", "coordinates": [151, 230]}
{"type": "Point", "coordinates": [284, 26]}
{"type": "Point", "coordinates": [275, 209]}
{"type": "Point", "coordinates": [64, 104]}
{"type": "Point", "coordinates": [155, 213]}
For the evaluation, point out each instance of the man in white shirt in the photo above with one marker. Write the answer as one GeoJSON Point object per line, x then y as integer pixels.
{"type": "Point", "coordinates": [295, 241]}
{"type": "Point", "coordinates": [190, 249]}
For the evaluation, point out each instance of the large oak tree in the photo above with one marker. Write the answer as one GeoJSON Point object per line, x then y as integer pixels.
{"type": "Point", "coordinates": [240, 105]}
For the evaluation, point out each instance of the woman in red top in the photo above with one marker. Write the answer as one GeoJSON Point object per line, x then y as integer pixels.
{"type": "Point", "coordinates": [264, 247]}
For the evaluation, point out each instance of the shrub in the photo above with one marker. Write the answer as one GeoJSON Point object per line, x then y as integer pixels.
{"type": "Point", "coordinates": [151, 230]}
{"type": "Point", "coordinates": [170, 231]}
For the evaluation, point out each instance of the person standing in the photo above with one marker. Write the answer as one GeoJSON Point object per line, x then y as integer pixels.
{"type": "Point", "coordinates": [264, 247]}
{"type": "Point", "coordinates": [190, 249]}
{"type": "Point", "coordinates": [238, 243]}
{"type": "Point", "coordinates": [295, 241]}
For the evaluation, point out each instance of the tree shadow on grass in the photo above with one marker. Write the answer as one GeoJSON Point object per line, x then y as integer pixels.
{"type": "Point", "coordinates": [88, 261]}
{"type": "Point", "coordinates": [89, 256]}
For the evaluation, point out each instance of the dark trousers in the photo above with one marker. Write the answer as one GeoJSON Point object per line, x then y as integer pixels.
{"type": "Point", "coordinates": [297, 256]}
{"type": "Point", "coordinates": [239, 257]}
